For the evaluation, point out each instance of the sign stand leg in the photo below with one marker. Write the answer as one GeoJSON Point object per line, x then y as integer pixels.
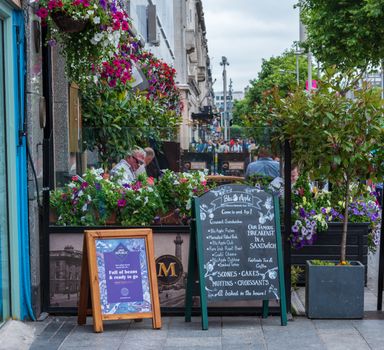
{"type": "Point", "coordinates": [280, 264]}
{"type": "Point", "coordinates": [200, 266]}
{"type": "Point", "coordinates": [191, 274]}
{"type": "Point", "coordinates": [265, 308]}
{"type": "Point", "coordinates": [203, 298]}
{"type": "Point", "coordinates": [156, 316]}
{"type": "Point", "coordinates": [84, 287]}
{"type": "Point", "coordinates": [94, 285]}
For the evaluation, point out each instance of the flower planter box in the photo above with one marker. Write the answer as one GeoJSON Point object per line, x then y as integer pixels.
{"type": "Point", "coordinates": [327, 247]}
{"type": "Point", "coordinates": [334, 291]}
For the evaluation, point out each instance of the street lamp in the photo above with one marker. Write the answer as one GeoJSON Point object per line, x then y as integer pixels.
{"type": "Point", "coordinates": [224, 62]}
{"type": "Point", "coordinates": [298, 52]}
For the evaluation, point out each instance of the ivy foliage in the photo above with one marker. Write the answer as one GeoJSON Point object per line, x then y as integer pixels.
{"type": "Point", "coordinates": [345, 33]}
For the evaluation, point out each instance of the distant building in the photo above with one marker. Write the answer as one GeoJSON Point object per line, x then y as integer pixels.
{"type": "Point", "coordinates": [219, 99]}
{"type": "Point", "coordinates": [175, 31]}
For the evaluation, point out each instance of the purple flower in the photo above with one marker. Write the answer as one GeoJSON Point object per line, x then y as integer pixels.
{"type": "Point", "coordinates": [52, 42]}
{"type": "Point", "coordinates": [302, 212]}
{"type": "Point", "coordinates": [295, 228]}
{"type": "Point", "coordinates": [103, 4]}
{"type": "Point", "coordinates": [98, 186]}
{"type": "Point", "coordinates": [323, 210]}
{"type": "Point", "coordinates": [113, 7]}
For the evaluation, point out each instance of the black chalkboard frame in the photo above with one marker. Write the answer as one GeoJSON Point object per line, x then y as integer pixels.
{"type": "Point", "coordinates": [196, 259]}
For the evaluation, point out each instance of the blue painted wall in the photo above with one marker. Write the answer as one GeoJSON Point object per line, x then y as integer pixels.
{"type": "Point", "coordinates": [26, 311]}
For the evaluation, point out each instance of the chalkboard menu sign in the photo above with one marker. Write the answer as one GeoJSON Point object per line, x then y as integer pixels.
{"type": "Point", "coordinates": [118, 269]}
{"type": "Point", "coordinates": [236, 241]}
{"type": "Point", "coordinates": [239, 243]}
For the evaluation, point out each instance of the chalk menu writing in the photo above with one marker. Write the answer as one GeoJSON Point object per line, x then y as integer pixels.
{"type": "Point", "coordinates": [238, 230]}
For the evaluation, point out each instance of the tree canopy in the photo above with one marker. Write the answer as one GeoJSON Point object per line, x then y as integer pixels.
{"type": "Point", "coordinates": [280, 72]}
{"type": "Point", "coordinates": [345, 33]}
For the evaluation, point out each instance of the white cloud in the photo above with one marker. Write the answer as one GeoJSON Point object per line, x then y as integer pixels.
{"type": "Point", "coordinates": [245, 31]}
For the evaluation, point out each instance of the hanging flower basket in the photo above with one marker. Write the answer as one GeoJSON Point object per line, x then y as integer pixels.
{"type": "Point", "coordinates": [67, 23]}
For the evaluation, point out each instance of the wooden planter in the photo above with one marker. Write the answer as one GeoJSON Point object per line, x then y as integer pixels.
{"type": "Point", "coordinates": [335, 291]}
{"type": "Point", "coordinates": [327, 247]}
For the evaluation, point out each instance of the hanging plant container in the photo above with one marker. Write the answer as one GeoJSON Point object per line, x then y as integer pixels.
{"type": "Point", "coordinates": [67, 23]}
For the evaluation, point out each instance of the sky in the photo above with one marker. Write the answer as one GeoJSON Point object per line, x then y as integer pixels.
{"type": "Point", "coordinates": [246, 31]}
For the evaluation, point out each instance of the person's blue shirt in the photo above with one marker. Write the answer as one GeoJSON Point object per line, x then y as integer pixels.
{"type": "Point", "coordinates": [263, 167]}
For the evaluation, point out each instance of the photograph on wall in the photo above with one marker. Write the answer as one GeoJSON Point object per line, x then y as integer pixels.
{"type": "Point", "coordinates": [65, 254]}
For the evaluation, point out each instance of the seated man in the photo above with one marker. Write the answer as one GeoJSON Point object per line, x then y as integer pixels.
{"type": "Point", "coordinates": [127, 167]}
{"type": "Point", "coordinates": [151, 166]}
{"type": "Point", "coordinates": [264, 165]}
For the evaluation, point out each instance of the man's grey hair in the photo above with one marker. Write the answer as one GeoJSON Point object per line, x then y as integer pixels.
{"type": "Point", "coordinates": [136, 151]}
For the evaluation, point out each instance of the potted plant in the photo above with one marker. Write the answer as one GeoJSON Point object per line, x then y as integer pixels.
{"type": "Point", "coordinates": [95, 198]}
{"type": "Point", "coordinates": [87, 200]}
{"type": "Point", "coordinates": [340, 139]}
{"type": "Point", "coordinates": [317, 224]}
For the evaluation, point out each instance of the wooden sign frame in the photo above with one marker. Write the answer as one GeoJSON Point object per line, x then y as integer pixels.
{"type": "Point", "coordinates": [196, 260]}
{"type": "Point", "coordinates": [89, 284]}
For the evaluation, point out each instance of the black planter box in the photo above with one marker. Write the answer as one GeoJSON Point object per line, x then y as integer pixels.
{"type": "Point", "coordinates": [334, 291]}
{"type": "Point", "coordinates": [327, 247]}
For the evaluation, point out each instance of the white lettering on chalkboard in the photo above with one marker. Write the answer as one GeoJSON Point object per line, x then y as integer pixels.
{"type": "Point", "coordinates": [239, 243]}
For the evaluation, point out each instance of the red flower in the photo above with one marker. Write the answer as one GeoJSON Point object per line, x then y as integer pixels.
{"type": "Point", "coordinates": [42, 13]}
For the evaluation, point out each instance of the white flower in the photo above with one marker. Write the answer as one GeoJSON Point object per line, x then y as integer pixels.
{"type": "Point", "coordinates": [96, 20]}
{"type": "Point", "coordinates": [90, 13]}
{"type": "Point", "coordinates": [96, 38]}
{"type": "Point", "coordinates": [85, 206]}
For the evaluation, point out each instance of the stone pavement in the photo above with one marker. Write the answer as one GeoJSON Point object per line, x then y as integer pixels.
{"type": "Point", "coordinates": [224, 332]}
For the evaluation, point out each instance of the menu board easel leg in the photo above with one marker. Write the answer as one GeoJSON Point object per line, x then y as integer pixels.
{"type": "Point", "coordinates": [265, 308]}
{"type": "Point", "coordinates": [84, 288]}
{"type": "Point", "coordinates": [94, 285]}
{"type": "Point", "coordinates": [156, 316]}
{"type": "Point", "coordinates": [191, 275]}
{"type": "Point", "coordinates": [200, 267]}
{"type": "Point", "coordinates": [280, 264]}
